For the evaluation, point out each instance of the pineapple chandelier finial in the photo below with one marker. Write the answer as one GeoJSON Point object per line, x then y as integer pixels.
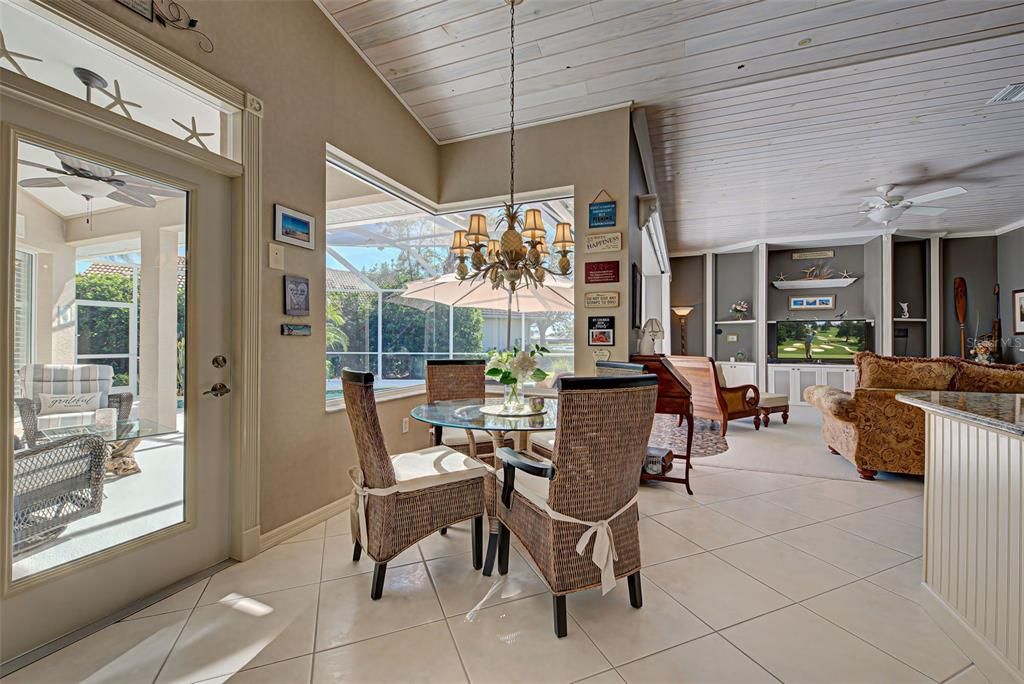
{"type": "Point", "coordinates": [518, 257]}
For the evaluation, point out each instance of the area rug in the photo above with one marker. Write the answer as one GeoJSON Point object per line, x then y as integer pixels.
{"type": "Point", "coordinates": [706, 440]}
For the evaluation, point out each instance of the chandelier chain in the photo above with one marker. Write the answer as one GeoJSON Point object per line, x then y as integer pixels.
{"type": "Point", "coordinates": [512, 106]}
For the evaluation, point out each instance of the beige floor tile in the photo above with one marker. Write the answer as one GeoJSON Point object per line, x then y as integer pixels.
{"type": "Point", "coordinates": [347, 613]}
{"type": "Point", "coordinates": [232, 636]}
{"type": "Point", "coordinates": [515, 642]}
{"type": "Point", "coordinates": [129, 651]}
{"type": "Point", "coordinates": [294, 671]}
{"type": "Point", "coordinates": [186, 599]}
{"type": "Point", "coordinates": [314, 532]}
{"type": "Point", "coordinates": [799, 500]}
{"type": "Point", "coordinates": [713, 590]}
{"type": "Point", "coordinates": [661, 498]}
{"type": "Point", "coordinates": [761, 515]}
{"type": "Point", "coordinates": [753, 482]}
{"type": "Point", "coordinates": [461, 588]}
{"type": "Point", "coordinates": [883, 530]}
{"type": "Point", "coordinates": [904, 580]}
{"type": "Point", "coordinates": [708, 660]}
{"type": "Point", "coordinates": [338, 524]}
{"type": "Point", "coordinates": [908, 511]}
{"type": "Point", "coordinates": [609, 677]}
{"type": "Point", "coordinates": [860, 494]}
{"type": "Point", "coordinates": [847, 551]}
{"type": "Point", "coordinates": [707, 528]}
{"type": "Point", "coordinates": [893, 624]}
{"type": "Point", "coordinates": [624, 633]}
{"type": "Point", "coordinates": [421, 654]}
{"type": "Point", "coordinates": [338, 561]}
{"type": "Point", "coordinates": [800, 647]}
{"type": "Point", "coordinates": [971, 675]}
{"type": "Point", "coordinates": [659, 544]}
{"type": "Point", "coordinates": [281, 567]}
{"type": "Point", "coordinates": [710, 488]}
{"type": "Point", "coordinates": [785, 569]}
{"type": "Point", "coordinates": [458, 540]}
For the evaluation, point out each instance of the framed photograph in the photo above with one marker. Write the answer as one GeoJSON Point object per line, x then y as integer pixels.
{"type": "Point", "coordinates": [294, 228]}
{"type": "Point", "coordinates": [601, 331]}
{"type": "Point", "coordinates": [812, 303]}
{"type": "Point", "coordinates": [636, 293]}
{"type": "Point", "coordinates": [295, 330]}
{"type": "Point", "coordinates": [1017, 309]}
{"type": "Point", "coordinates": [296, 296]}
{"type": "Point", "coordinates": [144, 8]}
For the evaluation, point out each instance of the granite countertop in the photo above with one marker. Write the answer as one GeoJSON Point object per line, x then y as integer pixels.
{"type": "Point", "coordinates": [999, 411]}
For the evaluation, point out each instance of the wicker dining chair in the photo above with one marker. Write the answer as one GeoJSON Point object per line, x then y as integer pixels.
{"type": "Point", "coordinates": [450, 379]}
{"type": "Point", "coordinates": [402, 499]}
{"type": "Point", "coordinates": [576, 515]}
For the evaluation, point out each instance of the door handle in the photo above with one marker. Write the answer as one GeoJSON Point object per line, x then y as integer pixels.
{"type": "Point", "coordinates": [219, 389]}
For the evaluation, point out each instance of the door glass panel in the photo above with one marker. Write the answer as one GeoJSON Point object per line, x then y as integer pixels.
{"type": "Point", "coordinates": [99, 358]}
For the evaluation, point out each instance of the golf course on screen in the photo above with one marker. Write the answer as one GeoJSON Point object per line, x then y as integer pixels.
{"type": "Point", "coordinates": [838, 340]}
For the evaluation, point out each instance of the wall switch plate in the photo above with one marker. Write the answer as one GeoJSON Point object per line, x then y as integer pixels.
{"type": "Point", "coordinates": [277, 256]}
{"type": "Point", "coordinates": [405, 425]}
{"type": "Point", "coordinates": [732, 337]}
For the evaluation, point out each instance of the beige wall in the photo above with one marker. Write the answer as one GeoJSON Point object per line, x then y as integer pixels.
{"type": "Point", "coordinates": [590, 154]}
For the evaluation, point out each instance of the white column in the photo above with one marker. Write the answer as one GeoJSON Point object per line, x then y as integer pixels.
{"type": "Point", "coordinates": [887, 276]}
{"type": "Point", "coordinates": [709, 304]}
{"type": "Point", "coordinates": [935, 296]}
{"type": "Point", "coordinates": [158, 334]}
{"type": "Point", "coordinates": [761, 313]}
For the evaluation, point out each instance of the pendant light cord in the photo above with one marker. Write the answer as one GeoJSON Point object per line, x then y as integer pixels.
{"type": "Point", "coordinates": [512, 108]}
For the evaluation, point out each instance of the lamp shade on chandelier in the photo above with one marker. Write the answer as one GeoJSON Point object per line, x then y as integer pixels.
{"type": "Point", "coordinates": [518, 257]}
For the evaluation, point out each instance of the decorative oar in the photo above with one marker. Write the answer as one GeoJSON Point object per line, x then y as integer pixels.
{"type": "Point", "coordinates": [997, 327]}
{"type": "Point", "coordinates": [960, 299]}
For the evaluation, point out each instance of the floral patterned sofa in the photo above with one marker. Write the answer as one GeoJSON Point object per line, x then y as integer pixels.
{"type": "Point", "coordinates": [874, 431]}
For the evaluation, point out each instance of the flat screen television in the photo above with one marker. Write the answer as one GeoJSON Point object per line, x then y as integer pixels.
{"type": "Point", "coordinates": [822, 341]}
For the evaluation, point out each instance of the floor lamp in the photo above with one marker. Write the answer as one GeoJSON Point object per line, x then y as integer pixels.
{"type": "Point", "coordinates": [682, 312]}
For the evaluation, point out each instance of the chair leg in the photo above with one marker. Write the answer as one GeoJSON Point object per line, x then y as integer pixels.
{"type": "Point", "coordinates": [833, 451]}
{"type": "Point", "coordinates": [757, 423]}
{"type": "Point", "coordinates": [504, 538]}
{"type": "Point", "coordinates": [681, 416]}
{"type": "Point", "coordinates": [444, 531]}
{"type": "Point", "coordinates": [492, 551]}
{"type": "Point", "coordinates": [357, 551]}
{"type": "Point", "coordinates": [785, 417]}
{"type": "Point", "coordinates": [478, 542]}
{"type": "Point", "coordinates": [377, 588]}
{"type": "Point", "coordinates": [725, 426]}
{"type": "Point", "coordinates": [561, 624]}
{"type": "Point", "coordinates": [636, 594]}
{"type": "Point", "coordinates": [765, 418]}
{"type": "Point", "coordinates": [867, 473]}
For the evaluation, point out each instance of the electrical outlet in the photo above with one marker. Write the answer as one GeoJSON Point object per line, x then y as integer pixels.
{"type": "Point", "coordinates": [405, 425]}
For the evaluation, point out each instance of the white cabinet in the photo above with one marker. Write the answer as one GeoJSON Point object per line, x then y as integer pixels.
{"type": "Point", "coordinates": [738, 373]}
{"type": "Point", "coordinates": [793, 380]}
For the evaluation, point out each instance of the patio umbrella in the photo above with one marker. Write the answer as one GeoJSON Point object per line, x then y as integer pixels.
{"type": "Point", "coordinates": [556, 295]}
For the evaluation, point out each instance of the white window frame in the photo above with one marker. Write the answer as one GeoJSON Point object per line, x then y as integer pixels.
{"type": "Point", "coordinates": [133, 334]}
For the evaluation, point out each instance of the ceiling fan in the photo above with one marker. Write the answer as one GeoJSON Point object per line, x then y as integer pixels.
{"type": "Point", "coordinates": [886, 208]}
{"type": "Point", "coordinates": [92, 180]}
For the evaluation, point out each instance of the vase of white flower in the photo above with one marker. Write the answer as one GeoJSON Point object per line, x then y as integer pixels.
{"type": "Point", "coordinates": [512, 369]}
{"type": "Point", "coordinates": [739, 310]}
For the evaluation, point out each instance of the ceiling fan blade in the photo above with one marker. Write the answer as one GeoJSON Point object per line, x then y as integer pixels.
{"type": "Point", "coordinates": [44, 167]}
{"type": "Point", "coordinates": [154, 191]}
{"type": "Point", "coordinates": [41, 183]}
{"type": "Point", "coordinates": [75, 163]}
{"type": "Point", "coordinates": [941, 194]}
{"type": "Point", "coordinates": [140, 182]}
{"type": "Point", "coordinates": [925, 211]}
{"type": "Point", "coordinates": [136, 198]}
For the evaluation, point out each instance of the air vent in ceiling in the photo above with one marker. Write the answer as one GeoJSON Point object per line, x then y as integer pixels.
{"type": "Point", "coordinates": [1011, 93]}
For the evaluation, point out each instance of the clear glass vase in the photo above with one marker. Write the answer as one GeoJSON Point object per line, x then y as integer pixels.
{"type": "Point", "coordinates": [513, 401]}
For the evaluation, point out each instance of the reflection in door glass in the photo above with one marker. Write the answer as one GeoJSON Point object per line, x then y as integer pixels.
{"type": "Point", "coordinates": [99, 358]}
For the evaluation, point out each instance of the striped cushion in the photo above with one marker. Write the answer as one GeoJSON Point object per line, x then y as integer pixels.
{"type": "Point", "coordinates": [52, 378]}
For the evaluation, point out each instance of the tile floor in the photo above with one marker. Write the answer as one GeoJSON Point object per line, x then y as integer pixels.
{"type": "Point", "coordinates": [760, 577]}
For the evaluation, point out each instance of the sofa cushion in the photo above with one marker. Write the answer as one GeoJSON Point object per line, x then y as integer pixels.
{"type": "Point", "coordinates": [980, 377]}
{"type": "Point", "coordinates": [887, 372]}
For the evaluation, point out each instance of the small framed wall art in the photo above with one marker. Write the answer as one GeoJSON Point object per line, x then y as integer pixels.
{"type": "Point", "coordinates": [296, 296]}
{"type": "Point", "coordinates": [295, 330]}
{"type": "Point", "coordinates": [294, 228]}
{"type": "Point", "coordinates": [601, 331]}
{"type": "Point", "coordinates": [1017, 309]}
{"type": "Point", "coordinates": [814, 303]}
{"type": "Point", "coordinates": [600, 300]}
{"type": "Point", "coordinates": [602, 214]}
{"type": "Point", "coordinates": [601, 272]}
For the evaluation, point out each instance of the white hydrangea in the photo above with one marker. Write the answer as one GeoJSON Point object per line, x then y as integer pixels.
{"type": "Point", "coordinates": [522, 366]}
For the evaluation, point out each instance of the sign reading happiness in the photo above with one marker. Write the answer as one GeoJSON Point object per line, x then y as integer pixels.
{"type": "Point", "coordinates": [607, 242]}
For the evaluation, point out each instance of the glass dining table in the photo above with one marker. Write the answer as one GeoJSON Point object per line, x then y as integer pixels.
{"type": "Point", "coordinates": [465, 414]}
{"type": "Point", "coordinates": [122, 439]}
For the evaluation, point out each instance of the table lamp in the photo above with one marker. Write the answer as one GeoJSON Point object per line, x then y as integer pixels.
{"type": "Point", "coordinates": [682, 312]}
{"type": "Point", "coordinates": [652, 330]}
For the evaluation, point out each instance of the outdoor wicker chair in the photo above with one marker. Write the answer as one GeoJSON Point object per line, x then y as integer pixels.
{"type": "Point", "coordinates": [54, 485]}
{"type": "Point", "coordinates": [576, 515]}
{"type": "Point", "coordinates": [402, 499]}
{"type": "Point", "coordinates": [450, 379]}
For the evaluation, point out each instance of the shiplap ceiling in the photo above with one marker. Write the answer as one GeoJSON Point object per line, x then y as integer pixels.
{"type": "Point", "coordinates": [764, 115]}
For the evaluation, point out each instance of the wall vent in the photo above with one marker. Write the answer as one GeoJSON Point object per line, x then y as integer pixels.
{"type": "Point", "coordinates": [1011, 93]}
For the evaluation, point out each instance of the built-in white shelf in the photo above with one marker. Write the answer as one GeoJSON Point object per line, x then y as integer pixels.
{"type": "Point", "coordinates": [826, 318]}
{"type": "Point", "coordinates": [910, 320]}
{"type": "Point", "coordinates": [734, 322]}
{"type": "Point", "coordinates": [813, 284]}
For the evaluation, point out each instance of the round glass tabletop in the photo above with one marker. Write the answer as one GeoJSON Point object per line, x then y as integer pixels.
{"type": "Point", "coordinates": [466, 414]}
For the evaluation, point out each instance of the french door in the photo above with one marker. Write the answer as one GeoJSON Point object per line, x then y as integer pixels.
{"type": "Point", "coordinates": [154, 507]}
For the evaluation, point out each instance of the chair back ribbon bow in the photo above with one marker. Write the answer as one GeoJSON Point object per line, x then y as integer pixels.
{"type": "Point", "coordinates": [361, 493]}
{"type": "Point", "coordinates": [603, 555]}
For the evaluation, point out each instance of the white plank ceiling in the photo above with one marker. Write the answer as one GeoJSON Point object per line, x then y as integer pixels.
{"type": "Point", "coordinates": [768, 118]}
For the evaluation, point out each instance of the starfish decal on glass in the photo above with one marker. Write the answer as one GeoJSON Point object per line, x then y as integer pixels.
{"type": "Point", "coordinates": [10, 56]}
{"type": "Point", "coordinates": [193, 133]}
{"type": "Point", "coordinates": [118, 101]}
{"type": "Point", "coordinates": [779, 278]}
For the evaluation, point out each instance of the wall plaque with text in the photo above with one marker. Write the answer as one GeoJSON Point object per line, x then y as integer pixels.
{"type": "Point", "coordinates": [605, 242]}
{"type": "Point", "coordinates": [600, 300]}
{"type": "Point", "coordinates": [601, 272]}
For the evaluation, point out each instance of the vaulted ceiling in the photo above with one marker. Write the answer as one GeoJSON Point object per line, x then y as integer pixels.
{"type": "Point", "coordinates": [768, 118]}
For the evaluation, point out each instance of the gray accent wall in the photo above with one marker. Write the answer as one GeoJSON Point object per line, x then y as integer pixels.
{"type": "Point", "coordinates": [910, 284]}
{"type": "Point", "coordinates": [1010, 261]}
{"type": "Point", "coordinates": [849, 299]}
{"type": "Point", "coordinates": [873, 286]}
{"type": "Point", "coordinates": [973, 259]}
{"type": "Point", "coordinates": [687, 289]}
{"type": "Point", "coordinates": [734, 280]}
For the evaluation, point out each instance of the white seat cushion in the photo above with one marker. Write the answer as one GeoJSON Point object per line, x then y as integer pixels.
{"type": "Point", "coordinates": [545, 440]}
{"type": "Point", "coordinates": [457, 437]}
{"type": "Point", "coordinates": [532, 487]}
{"type": "Point", "coordinates": [773, 400]}
{"type": "Point", "coordinates": [433, 466]}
